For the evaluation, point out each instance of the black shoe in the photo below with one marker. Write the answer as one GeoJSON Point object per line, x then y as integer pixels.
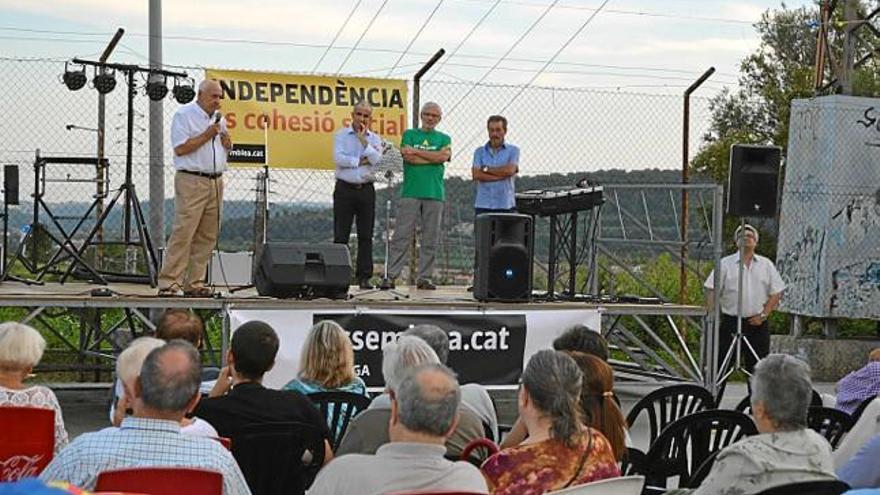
{"type": "Point", "coordinates": [470, 288]}
{"type": "Point", "coordinates": [365, 284]}
{"type": "Point", "coordinates": [425, 284]}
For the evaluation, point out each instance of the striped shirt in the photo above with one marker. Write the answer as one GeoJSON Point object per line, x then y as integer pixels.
{"type": "Point", "coordinates": [142, 442]}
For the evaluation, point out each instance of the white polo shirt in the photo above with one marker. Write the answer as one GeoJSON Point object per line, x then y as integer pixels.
{"type": "Point", "coordinates": [760, 281]}
{"type": "Point", "coordinates": [190, 121]}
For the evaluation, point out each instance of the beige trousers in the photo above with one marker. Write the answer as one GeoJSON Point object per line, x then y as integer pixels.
{"type": "Point", "coordinates": [197, 208]}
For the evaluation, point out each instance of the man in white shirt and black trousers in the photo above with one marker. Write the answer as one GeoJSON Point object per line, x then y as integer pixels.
{"type": "Point", "coordinates": [200, 140]}
{"type": "Point", "coordinates": [762, 289]}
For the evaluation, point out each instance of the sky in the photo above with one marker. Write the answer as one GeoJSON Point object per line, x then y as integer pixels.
{"type": "Point", "coordinates": [654, 46]}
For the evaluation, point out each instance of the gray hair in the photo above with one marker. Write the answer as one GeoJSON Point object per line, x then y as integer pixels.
{"type": "Point", "coordinates": [432, 104]}
{"type": "Point", "coordinates": [407, 352]}
{"type": "Point", "coordinates": [130, 361]}
{"type": "Point", "coordinates": [426, 405]}
{"type": "Point", "coordinates": [553, 382]}
{"type": "Point", "coordinates": [363, 103]}
{"type": "Point", "coordinates": [434, 336]}
{"type": "Point", "coordinates": [166, 385]}
{"type": "Point", "coordinates": [782, 383]}
{"type": "Point", "coordinates": [207, 83]}
{"type": "Point", "coordinates": [21, 346]}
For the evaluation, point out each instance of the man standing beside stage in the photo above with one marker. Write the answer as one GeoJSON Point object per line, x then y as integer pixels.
{"type": "Point", "coordinates": [200, 141]}
{"type": "Point", "coordinates": [496, 163]}
{"type": "Point", "coordinates": [425, 152]}
{"type": "Point", "coordinates": [355, 151]}
{"type": "Point", "coordinates": [762, 289]}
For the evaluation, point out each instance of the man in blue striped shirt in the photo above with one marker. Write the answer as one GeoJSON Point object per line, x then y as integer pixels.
{"type": "Point", "coordinates": [167, 388]}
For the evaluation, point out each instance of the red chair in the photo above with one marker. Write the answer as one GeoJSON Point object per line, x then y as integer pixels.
{"type": "Point", "coordinates": [225, 441]}
{"type": "Point", "coordinates": [478, 443]}
{"type": "Point", "coordinates": [161, 481]}
{"type": "Point", "coordinates": [27, 441]}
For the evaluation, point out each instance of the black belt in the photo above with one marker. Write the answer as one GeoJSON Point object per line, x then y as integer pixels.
{"type": "Point", "coordinates": [352, 185]}
{"type": "Point", "coordinates": [203, 174]}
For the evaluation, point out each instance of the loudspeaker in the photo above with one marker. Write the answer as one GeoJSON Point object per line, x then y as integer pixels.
{"type": "Point", "coordinates": [504, 244]}
{"type": "Point", "coordinates": [753, 182]}
{"type": "Point", "coordinates": [303, 270]}
{"type": "Point", "coordinates": [10, 184]}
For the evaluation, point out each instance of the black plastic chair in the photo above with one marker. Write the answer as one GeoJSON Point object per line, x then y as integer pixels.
{"type": "Point", "coordinates": [685, 445]}
{"type": "Point", "coordinates": [633, 463]}
{"type": "Point", "coordinates": [830, 423]}
{"type": "Point", "coordinates": [278, 457]}
{"type": "Point", "coordinates": [339, 408]}
{"type": "Point", "coordinates": [859, 410]}
{"type": "Point", "coordinates": [667, 404]}
{"type": "Point", "coordinates": [832, 487]}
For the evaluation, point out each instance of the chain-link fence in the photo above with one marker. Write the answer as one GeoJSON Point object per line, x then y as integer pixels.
{"type": "Point", "coordinates": [564, 134]}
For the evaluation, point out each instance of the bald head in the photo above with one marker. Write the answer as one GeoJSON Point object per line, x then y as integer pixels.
{"type": "Point", "coordinates": [209, 96]}
{"type": "Point", "coordinates": [427, 399]}
{"type": "Point", "coordinates": [170, 377]}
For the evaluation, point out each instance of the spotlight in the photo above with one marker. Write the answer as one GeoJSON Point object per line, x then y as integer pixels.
{"type": "Point", "coordinates": [105, 81]}
{"type": "Point", "coordinates": [156, 88]}
{"type": "Point", "coordinates": [184, 91]}
{"type": "Point", "coordinates": [75, 79]}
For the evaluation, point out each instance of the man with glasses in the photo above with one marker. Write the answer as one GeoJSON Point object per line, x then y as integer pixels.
{"type": "Point", "coordinates": [425, 152]}
{"type": "Point", "coordinates": [356, 150]}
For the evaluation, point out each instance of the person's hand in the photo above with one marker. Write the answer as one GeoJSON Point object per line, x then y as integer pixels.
{"type": "Point", "coordinates": [362, 135]}
{"type": "Point", "coordinates": [223, 384]}
{"type": "Point", "coordinates": [364, 161]}
{"type": "Point", "coordinates": [211, 131]}
{"type": "Point", "coordinates": [226, 141]}
{"type": "Point", "coordinates": [408, 152]}
{"type": "Point", "coordinates": [756, 320]}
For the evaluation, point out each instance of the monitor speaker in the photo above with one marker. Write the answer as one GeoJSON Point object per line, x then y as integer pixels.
{"type": "Point", "coordinates": [10, 184]}
{"type": "Point", "coordinates": [303, 270]}
{"type": "Point", "coordinates": [753, 182]}
{"type": "Point", "coordinates": [504, 244]}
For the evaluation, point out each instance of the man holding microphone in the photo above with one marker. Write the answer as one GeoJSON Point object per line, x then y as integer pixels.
{"type": "Point", "coordinates": [201, 141]}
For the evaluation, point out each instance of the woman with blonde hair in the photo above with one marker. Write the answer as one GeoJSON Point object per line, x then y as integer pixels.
{"type": "Point", "coordinates": [21, 348]}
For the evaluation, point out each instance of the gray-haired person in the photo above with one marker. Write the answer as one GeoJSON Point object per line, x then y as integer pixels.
{"type": "Point", "coordinates": [167, 388]}
{"type": "Point", "coordinates": [785, 451]}
{"type": "Point", "coordinates": [368, 431]}
{"type": "Point", "coordinates": [424, 407]}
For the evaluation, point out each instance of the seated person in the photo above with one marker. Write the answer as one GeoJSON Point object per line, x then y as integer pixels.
{"type": "Point", "coordinates": [424, 407]}
{"type": "Point", "coordinates": [785, 451]}
{"type": "Point", "coordinates": [599, 410]}
{"type": "Point", "coordinates": [580, 338]}
{"type": "Point", "coordinates": [167, 387]}
{"type": "Point", "coordinates": [860, 385]}
{"type": "Point", "coordinates": [560, 450]}
{"type": "Point", "coordinates": [369, 430]}
{"type": "Point", "coordinates": [866, 428]}
{"type": "Point", "coordinates": [128, 369]}
{"type": "Point", "coordinates": [863, 470]}
{"type": "Point", "coordinates": [21, 348]}
{"type": "Point", "coordinates": [473, 395]}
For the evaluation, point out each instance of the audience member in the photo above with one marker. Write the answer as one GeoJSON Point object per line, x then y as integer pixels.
{"type": "Point", "coordinates": [473, 395]}
{"type": "Point", "coordinates": [598, 407]}
{"type": "Point", "coordinates": [424, 407]}
{"type": "Point", "coordinates": [785, 451]}
{"type": "Point", "coordinates": [327, 365]}
{"type": "Point", "coordinates": [863, 470]}
{"type": "Point", "coordinates": [21, 348]}
{"type": "Point", "coordinates": [860, 385]}
{"type": "Point", "coordinates": [866, 428]}
{"type": "Point", "coordinates": [559, 451]}
{"type": "Point", "coordinates": [166, 389]}
{"type": "Point", "coordinates": [369, 430]}
{"type": "Point", "coordinates": [239, 399]}
{"type": "Point", "coordinates": [581, 338]}
{"type": "Point", "coordinates": [128, 368]}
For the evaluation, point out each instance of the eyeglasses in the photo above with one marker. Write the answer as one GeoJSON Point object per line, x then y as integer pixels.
{"type": "Point", "coordinates": [431, 114]}
{"type": "Point", "coordinates": [361, 114]}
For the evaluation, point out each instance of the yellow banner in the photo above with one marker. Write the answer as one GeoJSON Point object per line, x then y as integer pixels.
{"type": "Point", "coordinates": [292, 118]}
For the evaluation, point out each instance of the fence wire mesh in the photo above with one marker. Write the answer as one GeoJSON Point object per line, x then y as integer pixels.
{"type": "Point", "coordinates": [564, 134]}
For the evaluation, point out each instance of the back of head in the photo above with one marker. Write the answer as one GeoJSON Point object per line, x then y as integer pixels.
{"type": "Point", "coordinates": [170, 376]}
{"type": "Point", "coordinates": [874, 355]}
{"type": "Point", "coordinates": [179, 323]}
{"type": "Point", "coordinates": [254, 346]}
{"type": "Point", "coordinates": [131, 359]}
{"type": "Point", "coordinates": [21, 346]}
{"type": "Point", "coordinates": [407, 352]}
{"type": "Point", "coordinates": [783, 384]}
{"type": "Point", "coordinates": [435, 337]}
{"type": "Point", "coordinates": [327, 357]}
{"type": "Point", "coordinates": [427, 399]}
{"type": "Point", "coordinates": [598, 406]}
{"type": "Point", "coordinates": [581, 338]}
{"type": "Point", "coordinates": [553, 382]}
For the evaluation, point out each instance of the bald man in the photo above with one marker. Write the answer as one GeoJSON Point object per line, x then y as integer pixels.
{"type": "Point", "coordinates": [200, 140]}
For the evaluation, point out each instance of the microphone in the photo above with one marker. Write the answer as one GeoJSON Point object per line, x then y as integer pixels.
{"type": "Point", "coordinates": [217, 117]}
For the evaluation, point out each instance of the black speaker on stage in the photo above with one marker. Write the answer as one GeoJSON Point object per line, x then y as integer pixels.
{"type": "Point", "coordinates": [753, 182]}
{"type": "Point", "coordinates": [504, 244]}
{"type": "Point", "coordinates": [10, 184]}
{"type": "Point", "coordinates": [303, 270]}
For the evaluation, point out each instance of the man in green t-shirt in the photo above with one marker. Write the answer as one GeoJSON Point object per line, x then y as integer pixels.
{"type": "Point", "coordinates": [425, 152]}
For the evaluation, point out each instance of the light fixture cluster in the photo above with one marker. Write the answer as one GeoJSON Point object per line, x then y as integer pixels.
{"type": "Point", "coordinates": [104, 81]}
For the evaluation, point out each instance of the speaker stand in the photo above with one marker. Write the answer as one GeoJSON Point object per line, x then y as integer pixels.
{"type": "Point", "coordinates": [261, 222]}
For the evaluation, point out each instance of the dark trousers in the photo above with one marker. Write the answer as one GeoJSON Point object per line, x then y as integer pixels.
{"type": "Point", "coordinates": [758, 337]}
{"type": "Point", "coordinates": [355, 202]}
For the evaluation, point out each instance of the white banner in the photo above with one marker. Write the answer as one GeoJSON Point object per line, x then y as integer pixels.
{"type": "Point", "coordinates": [488, 347]}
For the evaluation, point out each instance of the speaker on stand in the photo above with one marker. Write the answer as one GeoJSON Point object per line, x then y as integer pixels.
{"type": "Point", "coordinates": [505, 250]}
{"type": "Point", "coordinates": [753, 183]}
{"type": "Point", "coordinates": [10, 197]}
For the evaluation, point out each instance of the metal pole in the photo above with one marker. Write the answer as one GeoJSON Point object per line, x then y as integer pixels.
{"type": "Point", "coordinates": [157, 143]}
{"type": "Point", "coordinates": [710, 360]}
{"type": "Point", "coordinates": [101, 185]}
{"type": "Point", "coordinates": [821, 38]}
{"type": "Point", "coordinates": [850, 15]}
{"type": "Point", "coordinates": [685, 138]}
{"type": "Point", "coordinates": [417, 82]}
